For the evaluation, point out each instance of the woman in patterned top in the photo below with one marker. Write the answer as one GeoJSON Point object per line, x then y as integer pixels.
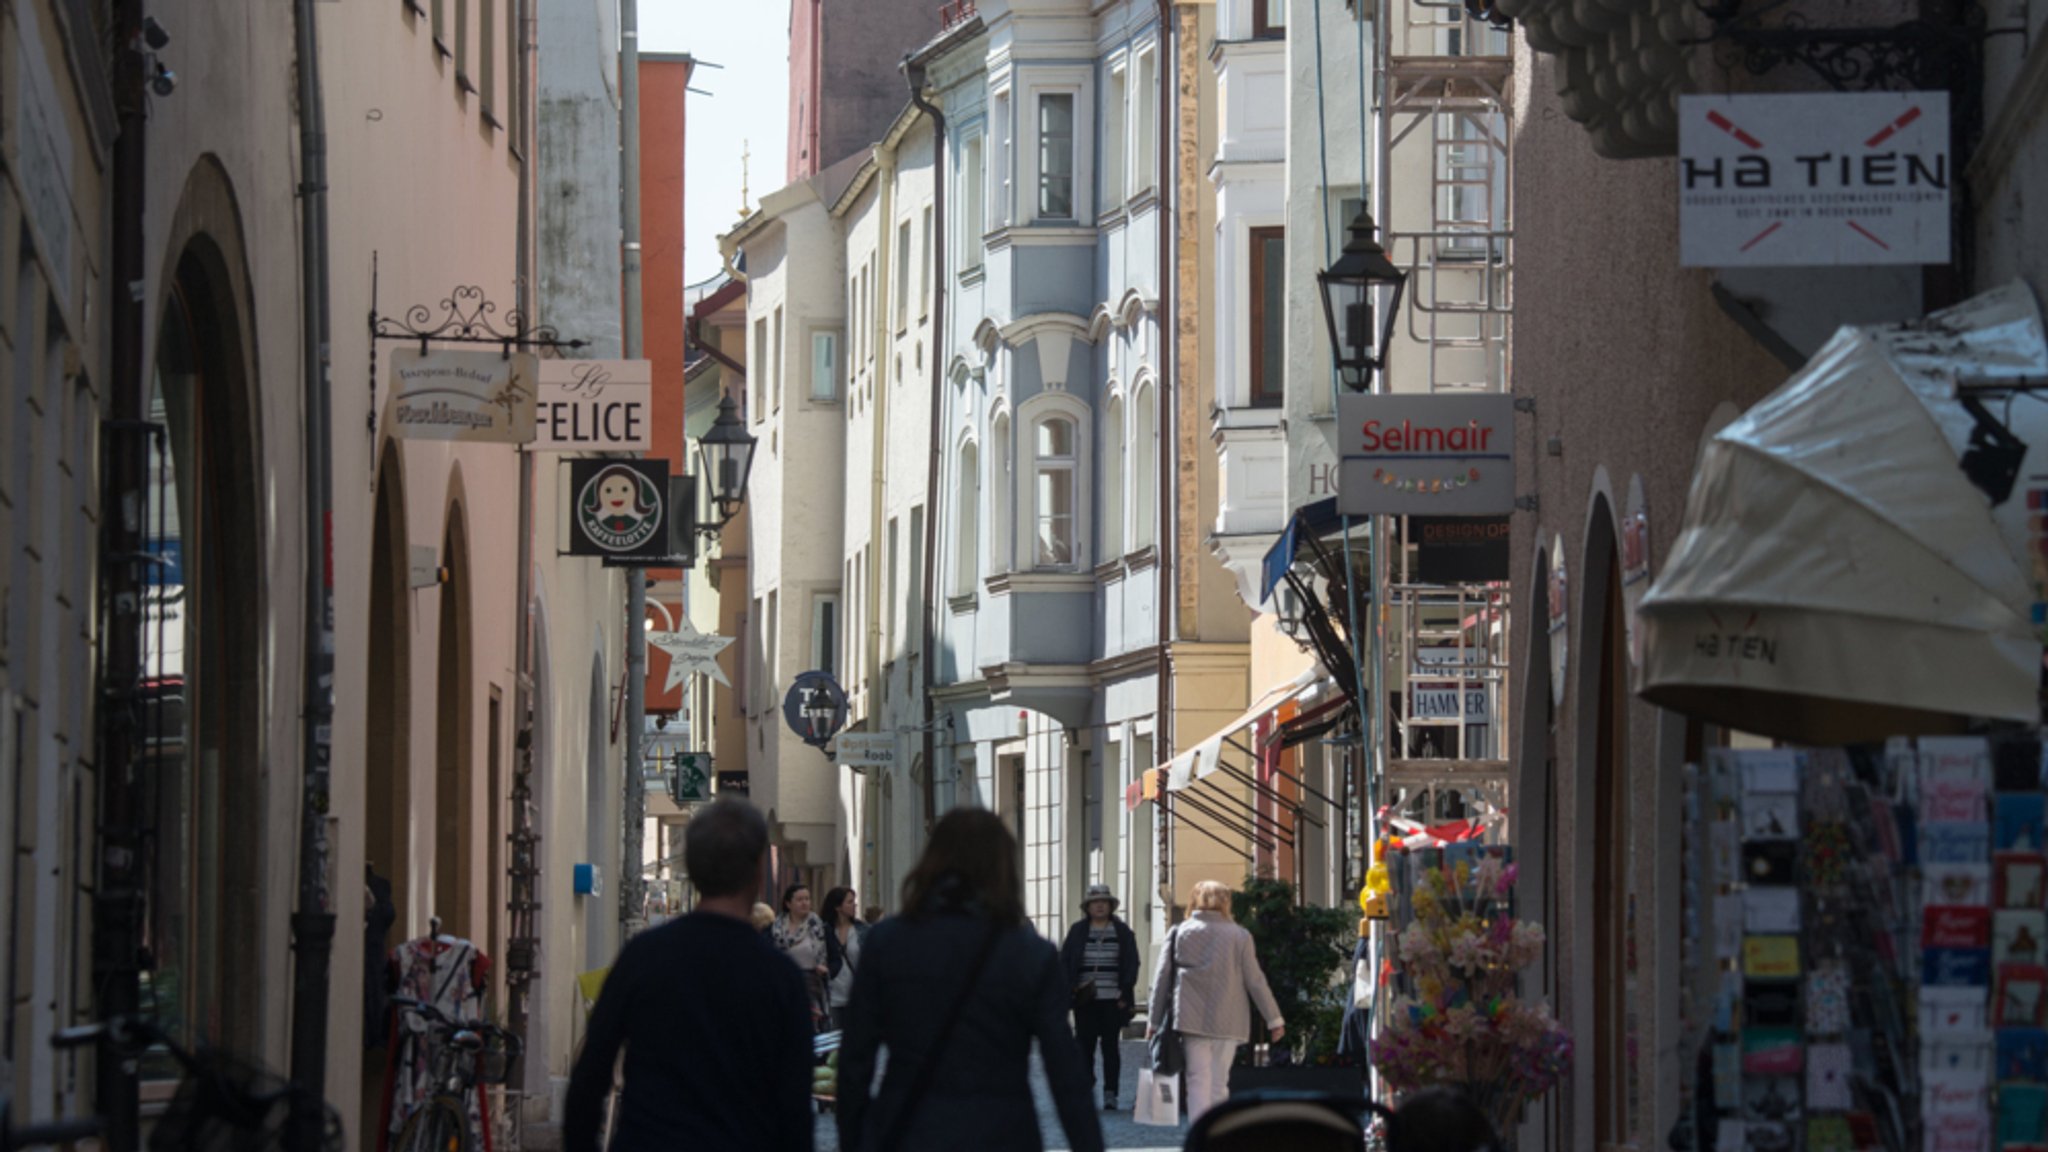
{"type": "Point", "coordinates": [801, 936]}
{"type": "Point", "coordinates": [1101, 960]}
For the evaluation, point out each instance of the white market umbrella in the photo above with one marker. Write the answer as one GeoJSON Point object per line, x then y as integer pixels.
{"type": "Point", "coordinates": [1837, 576]}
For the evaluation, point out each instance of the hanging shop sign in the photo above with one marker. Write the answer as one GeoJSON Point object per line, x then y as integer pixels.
{"type": "Point", "coordinates": [1459, 549]}
{"type": "Point", "coordinates": [470, 397]}
{"type": "Point", "coordinates": [733, 784]}
{"type": "Point", "coordinates": [689, 652]}
{"type": "Point", "coordinates": [1441, 702]}
{"type": "Point", "coordinates": [689, 778]}
{"type": "Point", "coordinates": [1635, 566]}
{"type": "Point", "coordinates": [1557, 602]}
{"type": "Point", "coordinates": [1439, 662]}
{"type": "Point", "coordinates": [865, 750]}
{"type": "Point", "coordinates": [815, 708]}
{"type": "Point", "coordinates": [1426, 455]}
{"type": "Point", "coordinates": [619, 509]}
{"type": "Point", "coordinates": [595, 406]}
{"type": "Point", "coordinates": [1813, 179]}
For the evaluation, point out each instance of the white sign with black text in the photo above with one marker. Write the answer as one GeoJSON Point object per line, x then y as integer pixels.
{"type": "Point", "coordinates": [866, 749]}
{"type": "Point", "coordinates": [595, 406]}
{"type": "Point", "coordinates": [1440, 702]}
{"type": "Point", "coordinates": [1813, 178]}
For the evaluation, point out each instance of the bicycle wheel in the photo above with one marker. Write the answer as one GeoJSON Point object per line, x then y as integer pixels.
{"type": "Point", "coordinates": [438, 1126]}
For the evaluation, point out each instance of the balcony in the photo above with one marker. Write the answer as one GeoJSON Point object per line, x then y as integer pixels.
{"type": "Point", "coordinates": [955, 13]}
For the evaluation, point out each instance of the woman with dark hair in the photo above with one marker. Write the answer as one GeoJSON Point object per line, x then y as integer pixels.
{"type": "Point", "coordinates": [1438, 1119]}
{"type": "Point", "coordinates": [957, 987]}
{"type": "Point", "coordinates": [801, 936]}
{"type": "Point", "coordinates": [843, 936]}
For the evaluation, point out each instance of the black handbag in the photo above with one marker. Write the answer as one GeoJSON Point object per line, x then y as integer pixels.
{"type": "Point", "coordinates": [1169, 1055]}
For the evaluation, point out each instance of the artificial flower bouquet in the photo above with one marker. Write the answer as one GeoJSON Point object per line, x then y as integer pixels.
{"type": "Point", "coordinates": [1458, 1018]}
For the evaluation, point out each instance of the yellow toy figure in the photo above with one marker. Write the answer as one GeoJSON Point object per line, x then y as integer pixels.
{"type": "Point", "coordinates": [1372, 898]}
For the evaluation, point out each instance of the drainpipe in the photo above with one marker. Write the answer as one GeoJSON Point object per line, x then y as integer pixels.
{"type": "Point", "coordinates": [1167, 528]}
{"type": "Point", "coordinates": [882, 343]}
{"type": "Point", "coordinates": [117, 903]}
{"type": "Point", "coordinates": [914, 73]}
{"type": "Point", "coordinates": [313, 923]}
{"type": "Point", "coordinates": [632, 881]}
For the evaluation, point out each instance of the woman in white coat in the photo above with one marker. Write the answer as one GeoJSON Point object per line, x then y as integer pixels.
{"type": "Point", "coordinates": [1208, 968]}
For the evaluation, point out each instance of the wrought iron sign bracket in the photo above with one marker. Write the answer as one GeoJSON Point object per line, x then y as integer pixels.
{"type": "Point", "coordinates": [464, 316]}
{"type": "Point", "coordinates": [1916, 54]}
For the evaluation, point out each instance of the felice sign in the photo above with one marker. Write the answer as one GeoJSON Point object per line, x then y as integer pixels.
{"type": "Point", "coordinates": [595, 406]}
{"type": "Point", "coordinates": [1437, 455]}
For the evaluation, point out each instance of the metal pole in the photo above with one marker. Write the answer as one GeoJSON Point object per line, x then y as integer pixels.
{"type": "Point", "coordinates": [632, 885]}
{"type": "Point", "coordinates": [313, 923]}
{"type": "Point", "coordinates": [117, 903]}
{"type": "Point", "coordinates": [522, 945]}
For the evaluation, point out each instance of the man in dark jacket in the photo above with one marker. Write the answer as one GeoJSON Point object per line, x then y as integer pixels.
{"type": "Point", "coordinates": [1101, 961]}
{"type": "Point", "coordinates": [714, 1020]}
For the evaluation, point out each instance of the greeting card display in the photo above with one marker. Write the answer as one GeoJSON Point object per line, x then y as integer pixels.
{"type": "Point", "coordinates": [2016, 879]}
{"type": "Point", "coordinates": [2021, 999]}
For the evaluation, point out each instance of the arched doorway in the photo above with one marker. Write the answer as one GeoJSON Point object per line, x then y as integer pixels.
{"type": "Point", "coordinates": [597, 842]}
{"type": "Point", "coordinates": [387, 762]}
{"type": "Point", "coordinates": [454, 768]}
{"type": "Point", "coordinates": [1606, 898]}
{"type": "Point", "coordinates": [203, 669]}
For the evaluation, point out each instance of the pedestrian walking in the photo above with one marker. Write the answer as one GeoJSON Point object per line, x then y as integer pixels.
{"type": "Point", "coordinates": [1100, 957]}
{"type": "Point", "coordinates": [715, 1027]}
{"type": "Point", "coordinates": [801, 936]}
{"type": "Point", "coordinates": [957, 985]}
{"type": "Point", "coordinates": [843, 933]}
{"type": "Point", "coordinates": [1205, 973]}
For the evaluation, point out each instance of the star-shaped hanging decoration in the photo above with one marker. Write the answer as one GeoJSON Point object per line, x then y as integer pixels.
{"type": "Point", "coordinates": [690, 651]}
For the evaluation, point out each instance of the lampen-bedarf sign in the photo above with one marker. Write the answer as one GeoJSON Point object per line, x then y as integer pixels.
{"type": "Point", "coordinates": [1816, 178]}
{"type": "Point", "coordinates": [619, 509]}
{"type": "Point", "coordinates": [595, 406]}
{"type": "Point", "coordinates": [1426, 455]}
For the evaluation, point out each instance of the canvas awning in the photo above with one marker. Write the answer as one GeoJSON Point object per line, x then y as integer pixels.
{"type": "Point", "coordinates": [1838, 576]}
{"type": "Point", "coordinates": [1205, 758]}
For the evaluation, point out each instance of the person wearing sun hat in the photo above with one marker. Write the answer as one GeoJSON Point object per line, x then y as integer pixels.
{"type": "Point", "coordinates": [1101, 959]}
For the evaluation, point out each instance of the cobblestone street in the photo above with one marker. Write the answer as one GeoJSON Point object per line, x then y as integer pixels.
{"type": "Point", "coordinates": [1118, 1130]}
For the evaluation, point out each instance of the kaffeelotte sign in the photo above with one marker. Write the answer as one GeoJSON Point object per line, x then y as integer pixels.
{"type": "Point", "coordinates": [1426, 455]}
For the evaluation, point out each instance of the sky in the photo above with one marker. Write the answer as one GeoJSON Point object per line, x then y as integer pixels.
{"type": "Point", "coordinates": [748, 107]}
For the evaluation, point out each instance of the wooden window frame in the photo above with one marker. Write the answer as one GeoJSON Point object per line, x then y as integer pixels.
{"type": "Point", "coordinates": [1260, 392]}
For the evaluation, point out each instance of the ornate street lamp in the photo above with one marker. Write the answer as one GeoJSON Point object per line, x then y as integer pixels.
{"type": "Point", "coordinates": [1347, 288]}
{"type": "Point", "coordinates": [725, 456]}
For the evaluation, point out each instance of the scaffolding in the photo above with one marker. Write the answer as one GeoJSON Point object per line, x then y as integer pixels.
{"type": "Point", "coordinates": [1445, 170]}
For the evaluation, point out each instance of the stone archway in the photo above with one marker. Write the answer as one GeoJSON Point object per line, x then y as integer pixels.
{"type": "Point", "coordinates": [454, 739]}
{"type": "Point", "coordinates": [388, 827]}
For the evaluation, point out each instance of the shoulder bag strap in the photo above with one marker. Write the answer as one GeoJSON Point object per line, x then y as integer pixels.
{"type": "Point", "coordinates": [923, 1082]}
{"type": "Point", "coordinates": [1172, 978]}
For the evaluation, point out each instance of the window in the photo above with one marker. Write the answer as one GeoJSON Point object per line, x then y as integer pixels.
{"type": "Point", "coordinates": [1269, 19]}
{"type": "Point", "coordinates": [759, 368]}
{"type": "Point", "coordinates": [1054, 493]}
{"type": "Point", "coordinates": [440, 25]}
{"type": "Point", "coordinates": [924, 264]}
{"type": "Point", "coordinates": [999, 214]}
{"type": "Point", "coordinates": [1001, 491]}
{"type": "Point", "coordinates": [1056, 155]}
{"type": "Point", "coordinates": [487, 59]}
{"type": "Point", "coordinates": [867, 308]}
{"type": "Point", "coordinates": [1113, 479]}
{"type": "Point", "coordinates": [1144, 149]}
{"type": "Point", "coordinates": [773, 663]}
{"type": "Point", "coordinates": [889, 603]}
{"type": "Point", "coordinates": [913, 613]}
{"type": "Point", "coordinates": [967, 513]}
{"type": "Point", "coordinates": [462, 81]}
{"type": "Point", "coordinates": [1268, 293]}
{"type": "Point", "coordinates": [1113, 139]}
{"type": "Point", "coordinates": [972, 212]}
{"type": "Point", "coordinates": [824, 367]}
{"type": "Point", "coordinates": [1144, 458]}
{"type": "Point", "coordinates": [903, 271]}
{"type": "Point", "coordinates": [825, 633]}
{"type": "Point", "coordinates": [775, 385]}
{"type": "Point", "coordinates": [515, 79]}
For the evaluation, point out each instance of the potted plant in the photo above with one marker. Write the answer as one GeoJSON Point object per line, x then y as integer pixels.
{"type": "Point", "coordinates": [1305, 952]}
{"type": "Point", "coordinates": [1459, 1018]}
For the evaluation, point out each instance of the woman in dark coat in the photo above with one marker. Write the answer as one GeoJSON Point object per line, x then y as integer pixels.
{"type": "Point", "coordinates": [960, 1078]}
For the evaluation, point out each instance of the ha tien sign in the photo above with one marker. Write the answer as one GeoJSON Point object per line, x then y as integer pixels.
{"type": "Point", "coordinates": [595, 406]}
{"type": "Point", "coordinates": [1814, 179]}
{"type": "Point", "coordinates": [1426, 455]}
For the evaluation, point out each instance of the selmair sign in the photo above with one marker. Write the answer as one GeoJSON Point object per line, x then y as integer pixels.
{"type": "Point", "coordinates": [1810, 179]}
{"type": "Point", "coordinates": [595, 406]}
{"type": "Point", "coordinates": [475, 397]}
{"type": "Point", "coordinates": [1426, 455]}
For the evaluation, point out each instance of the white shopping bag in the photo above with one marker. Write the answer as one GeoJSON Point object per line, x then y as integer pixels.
{"type": "Point", "coordinates": [1158, 1100]}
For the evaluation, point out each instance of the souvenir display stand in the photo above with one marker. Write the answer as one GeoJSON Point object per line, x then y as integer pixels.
{"type": "Point", "coordinates": [1863, 946]}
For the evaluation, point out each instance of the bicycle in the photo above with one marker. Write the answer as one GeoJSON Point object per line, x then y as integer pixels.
{"type": "Point", "coordinates": [463, 1055]}
{"type": "Point", "coordinates": [49, 1135]}
{"type": "Point", "coordinates": [223, 1103]}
